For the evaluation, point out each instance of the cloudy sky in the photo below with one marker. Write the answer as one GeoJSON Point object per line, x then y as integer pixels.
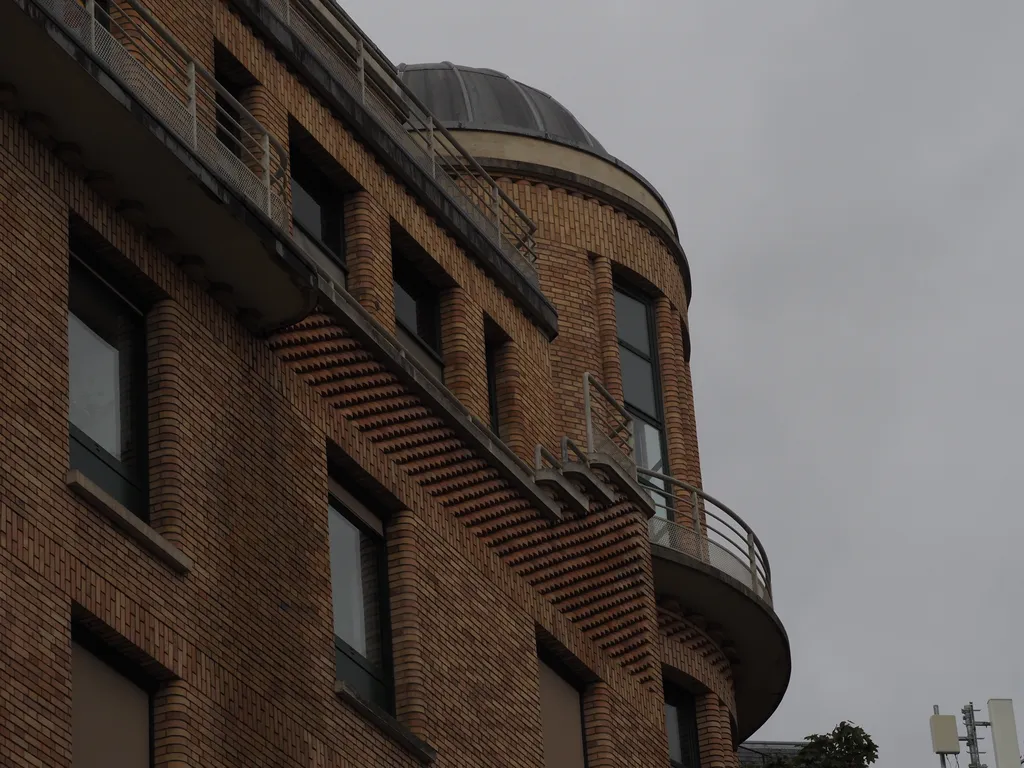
{"type": "Point", "coordinates": [848, 178]}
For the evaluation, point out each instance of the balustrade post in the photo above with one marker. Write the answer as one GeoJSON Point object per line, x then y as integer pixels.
{"type": "Point", "coordinates": [90, 12]}
{"type": "Point", "coordinates": [430, 146]}
{"type": "Point", "coordinates": [588, 413]}
{"type": "Point", "coordinates": [497, 211]}
{"type": "Point", "coordinates": [695, 505]}
{"type": "Point", "coordinates": [752, 553]}
{"type": "Point", "coordinates": [192, 106]}
{"type": "Point", "coordinates": [361, 70]}
{"type": "Point", "coordinates": [265, 161]}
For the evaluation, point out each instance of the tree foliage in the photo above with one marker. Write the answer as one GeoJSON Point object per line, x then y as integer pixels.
{"type": "Point", "coordinates": [847, 746]}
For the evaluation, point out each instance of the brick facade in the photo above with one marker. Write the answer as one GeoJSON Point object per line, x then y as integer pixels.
{"type": "Point", "coordinates": [240, 428]}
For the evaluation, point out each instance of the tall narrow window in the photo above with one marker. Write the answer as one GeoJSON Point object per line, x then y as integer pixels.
{"type": "Point", "coordinates": [417, 315]}
{"type": "Point", "coordinates": [318, 214]}
{"type": "Point", "coordinates": [359, 592]}
{"type": "Point", "coordinates": [110, 716]}
{"type": "Point", "coordinates": [561, 711]}
{"type": "Point", "coordinates": [496, 343]}
{"type": "Point", "coordinates": [231, 129]}
{"type": "Point", "coordinates": [640, 383]}
{"type": "Point", "coordinates": [681, 725]}
{"type": "Point", "coordinates": [491, 354]}
{"type": "Point", "coordinates": [107, 382]}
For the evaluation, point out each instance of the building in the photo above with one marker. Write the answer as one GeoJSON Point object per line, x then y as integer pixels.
{"type": "Point", "coordinates": [345, 415]}
{"type": "Point", "coordinates": [758, 753]}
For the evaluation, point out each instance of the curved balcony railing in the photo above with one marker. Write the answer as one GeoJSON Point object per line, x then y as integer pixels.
{"type": "Point", "coordinates": [686, 519]}
{"type": "Point", "coordinates": [704, 528]}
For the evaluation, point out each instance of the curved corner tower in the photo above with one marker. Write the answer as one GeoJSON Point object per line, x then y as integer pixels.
{"type": "Point", "coordinates": [610, 260]}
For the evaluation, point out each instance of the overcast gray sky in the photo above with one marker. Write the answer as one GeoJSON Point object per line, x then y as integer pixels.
{"type": "Point", "coordinates": [848, 181]}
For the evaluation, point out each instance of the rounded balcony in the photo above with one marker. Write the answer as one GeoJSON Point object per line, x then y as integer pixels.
{"type": "Point", "coordinates": [708, 559]}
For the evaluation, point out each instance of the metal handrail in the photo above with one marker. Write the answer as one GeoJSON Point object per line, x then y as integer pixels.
{"type": "Point", "coordinates": [541, 455]}
{"type": "Point", "coordinates": [343, 49]}
{"type": "Point", "coordinates": [609, 425]}
{"type": "Point", "coordinates": [145, 58]}
{"type": "Point", "coordinates": [716, 535]}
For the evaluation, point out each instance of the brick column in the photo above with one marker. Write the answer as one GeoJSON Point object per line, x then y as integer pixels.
{"type": "Point", "coordinates": [598, 726]}
{"type": "Point", "coordinates": [604, 292]}
{"type": "Point", "coordinates": [714, 732]}
{"type": "Point", "coordinates": [462, 347]}
{"type": "Point", "coordinates": [513, 404]}
{"type": "Point", "coordinates": [172, 746]}
{"type": "Point", "coordinates": [404, 569]}
{"type": "Point", "coordinates": [368, 255]}
{"type": "Point", "coordinates": [676, 394]}
{"type": "Point", "coordinates": [166, 435]}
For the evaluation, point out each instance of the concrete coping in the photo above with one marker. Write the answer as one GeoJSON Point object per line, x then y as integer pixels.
{"type": "Point", "coordinates": [387, 724]}
{"type": "Point", "coordinates": [130, 524]}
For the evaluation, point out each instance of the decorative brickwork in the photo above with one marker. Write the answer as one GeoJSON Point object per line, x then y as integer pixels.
{"type": "Point", "coordinates": [239, 430]}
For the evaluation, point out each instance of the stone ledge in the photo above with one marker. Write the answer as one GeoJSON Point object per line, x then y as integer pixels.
{"type": "Point", "coordinates": [385, 723]}
{"type": "Point", "coordinates": [127, 522]}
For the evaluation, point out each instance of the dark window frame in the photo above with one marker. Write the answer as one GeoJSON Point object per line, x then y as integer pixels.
{"type": "Point", "coordinates": [491, 351]}
{"type": "Point", "coordinates": [128, 485]}
{"type": "Point", "coordinates": [331, 201]}
{"type": "Point", "coordinates": [384, 675]}
{"type": "Point", "coordinates": [685, 704]}
{"type": "Point", "coordinates": [654, 420]}
{"type": "Point", "coordinates": [235, 79]}
{"type": "Point", "coordinates": [496, 344]}
{"type": "Point", "coordinates": [427, 299]}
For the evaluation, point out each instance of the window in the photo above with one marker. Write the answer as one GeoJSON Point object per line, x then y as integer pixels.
{"type": "Point", "coordinates": [491, 354]}
{"type": "Point", "coordinates": [110, 715]}
{"type": "Point", "coordinates": [681, 725]}
{"type": "Point", "coordinates": [640, 384]}
{"type": "Point", "coordinates": [229, 123]}
{"type": "Point", "coordinates": [235, 80]}
{"type": "Point", "coordinates": [359, 593]}
{"type": "Point", "coordinates": [561, 710]}
{"type": "Point", "coordinates": [418, 315]}
{"type": "Point", "coordinates": [495, 348]}
{"type": "Point", "coordinates": [107, 382]}
{"type": "Point", "coordinates": [318, 213]}
{"type": "Point", "coordinates": [101, 12]}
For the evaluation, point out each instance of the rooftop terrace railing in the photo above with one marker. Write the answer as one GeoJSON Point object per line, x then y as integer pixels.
{"type": "Point", "coordinates": [363, 70]}
{"type": "Point", "coordinates": [144, 58]}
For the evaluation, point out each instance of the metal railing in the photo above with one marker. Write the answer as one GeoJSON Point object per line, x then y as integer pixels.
{"type": "Point", "coordinates": [704, 528]}
{"type": "Point", "coordinates": [687, 519]}
{"type": "Point", "coordinates": [144, 58]}
{"type": "Point", "coordinates": [609, 424]}
{"type": "Point", "coordinates": [356, 63]}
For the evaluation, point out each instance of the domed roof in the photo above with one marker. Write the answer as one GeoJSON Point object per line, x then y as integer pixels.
{"type": "Point", "coordinates": [473, 99]}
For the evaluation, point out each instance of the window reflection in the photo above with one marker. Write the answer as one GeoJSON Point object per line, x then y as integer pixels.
{"type": "Point", "coordinates": [354, 564]}
{"type": "Point", "coordinates": [95, 385]}
{"type": "Point", "coordinates": [641, 391]}
{"type": "Point", "coordinates": [631, 318]}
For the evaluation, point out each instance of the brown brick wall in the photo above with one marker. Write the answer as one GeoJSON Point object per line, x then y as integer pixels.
{"type": "Point", "coordinates": [397, 203]}
{"type": "Point", "coordinates": [238, 439]}
{"type": "Point", "coordinates": [248, 630]}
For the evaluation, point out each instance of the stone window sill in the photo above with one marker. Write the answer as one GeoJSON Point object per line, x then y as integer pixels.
{"type": "Point", "coordinates": [128, 523]}
{"type": "Point", "coordinates": [385, 723]}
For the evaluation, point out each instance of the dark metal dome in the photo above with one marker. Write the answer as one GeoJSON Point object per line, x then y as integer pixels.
{"type": "Point", "coordinates": [473, 99]}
